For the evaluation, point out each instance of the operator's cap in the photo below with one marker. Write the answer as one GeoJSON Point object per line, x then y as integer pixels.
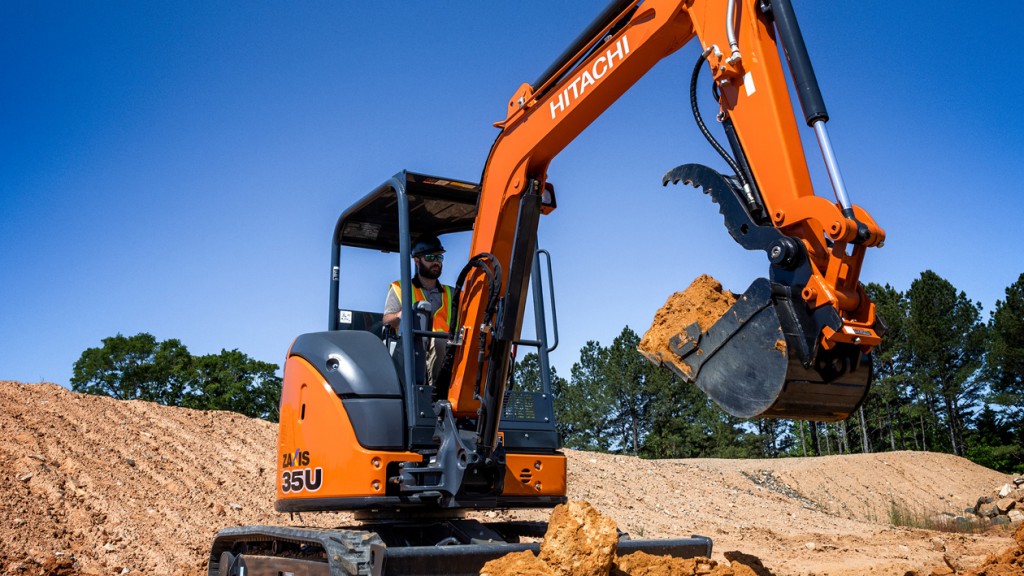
{"type": "Point", "coordinates": [427, 244]}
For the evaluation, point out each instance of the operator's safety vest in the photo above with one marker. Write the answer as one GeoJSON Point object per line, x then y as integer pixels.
{"type": "Point", "coordinates": [442, 315]}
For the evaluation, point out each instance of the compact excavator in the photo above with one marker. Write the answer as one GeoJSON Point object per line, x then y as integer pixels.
{"type": "Point", "coordinates": [361, 430]}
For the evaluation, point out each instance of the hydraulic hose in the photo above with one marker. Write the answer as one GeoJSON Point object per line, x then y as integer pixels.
{"type": "Point", "coordinates": [700, 120]}
{"type": "Point", "coordinates": [489, 265]}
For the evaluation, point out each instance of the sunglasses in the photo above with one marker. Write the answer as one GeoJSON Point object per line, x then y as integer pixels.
{"type": "Point", "coordinates": [433, 257]}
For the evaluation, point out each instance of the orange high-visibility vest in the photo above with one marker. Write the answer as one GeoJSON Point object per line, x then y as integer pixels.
{"type": "Point", "coordinates": [442, 315]}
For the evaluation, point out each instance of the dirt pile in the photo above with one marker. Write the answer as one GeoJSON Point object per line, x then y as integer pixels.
{"type": "Point", "coordinates": [582, 542]}
{"type": "Point", "coordinates": [579, 542]}
{"type": "Point", "coordinates": [703, 302]}
{"type": "Point", "coordinates": [93, 485]}
{"type": "Point", "coordinates": [1009, 562]}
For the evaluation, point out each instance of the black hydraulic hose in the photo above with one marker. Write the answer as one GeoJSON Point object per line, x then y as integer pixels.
{"type": "Point", "coordinates": [489, 265]}
{"type": "Point", "coordinates": [474, 263]}
{"type": "Point", "coordinates": [700, 121]}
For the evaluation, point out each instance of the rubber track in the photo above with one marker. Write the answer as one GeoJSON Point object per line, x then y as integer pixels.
{"type": "Point", "coordinates": [348, 551]}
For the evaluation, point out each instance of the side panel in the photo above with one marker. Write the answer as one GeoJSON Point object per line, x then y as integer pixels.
{"type": "Point", "coordinates": [534, 475]}
{"type": "Point", "coordinates": [318, 454]}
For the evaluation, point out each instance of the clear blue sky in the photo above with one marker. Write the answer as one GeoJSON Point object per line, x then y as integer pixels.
{"type": "Point", "coordinates": [177, 167]}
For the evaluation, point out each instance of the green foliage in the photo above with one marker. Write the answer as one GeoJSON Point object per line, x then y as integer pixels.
{"type": "Point", "coordinates": [616, 401]}
{"type": "Point", "coordinates": [632, 382]}
{"type": "Point", "coordinates": [583, 406]}
{"type": "Point", "coordinates": [134, 368]}
{"type": "Point", "coordinates": [526, 375]}
{"type": "Point", "coordinates": [893, 390]}
{"type": "Point", "coordinates": [943, 381]}
{"type": "Point", "coordinates": [902, 514]}
{"type": "Point", "coordinates": [1006, 354]}
{"type": "Point", "coordinates": [233, 381]}
{"type": "Point", "coordinates": [994, 443]}
{"type": "Point", "coordinates": [140, 368]}
{"type": "Point", "coordinates": [947, 343]}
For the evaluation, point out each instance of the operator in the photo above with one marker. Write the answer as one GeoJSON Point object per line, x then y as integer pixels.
{"type": "Point", "coordinates": [428, 255]}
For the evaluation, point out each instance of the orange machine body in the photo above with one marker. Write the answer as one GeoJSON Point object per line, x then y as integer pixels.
{"type": "Point", "coordinates": [322, 466]}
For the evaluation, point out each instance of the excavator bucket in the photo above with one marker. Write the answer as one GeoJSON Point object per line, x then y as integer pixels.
{"type": "Point", "coordinates": [749, 362]}
{"type": "Point", "coordinates": [763, 357]}
{"type": "Point", "coordinates": [740, 362]}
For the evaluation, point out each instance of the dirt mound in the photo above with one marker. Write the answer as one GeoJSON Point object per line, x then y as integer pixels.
{"type": "Point", "coordinates": [703, 302]}
{"type": "Point", "coordinates": [110, 487]}
{"type": "Point", "coordinates": [93, 485]}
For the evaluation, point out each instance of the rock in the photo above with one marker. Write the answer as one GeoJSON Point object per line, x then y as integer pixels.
{"type": "Point", "coordinates": [1015, 517]}
{"type": "Point", "coordinates": [109, 547]}
{"type": "Point", "coordinates": [988, 511]}
{"type": "Point", "coordinates": [1005, 505]}
{"type": "Point", "coordinates": [1018, 481]}
{"type": "Point", "coordinates": [26, 477]}
{"type": "Point", "coordinates": [516, 563]}
{"type": "Point", "coordinates": [235, 506]}
{"type": "Point", "coordinates": [579, 541]}
{"type": "Point", "coordinates": [943, 519]}
{"type": "Point", "coordinates": [981, 500]}
{"type": "Point", "coordinates": [1005, 490]}
{"type": "Point", "coordinates": [964, 524]}
{"type": "Point", "coordinates": [642, 563]}
{"type": "Point", "coordinates": [1000, 520]}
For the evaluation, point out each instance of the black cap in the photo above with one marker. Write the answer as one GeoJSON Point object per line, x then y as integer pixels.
{"type": "Point", "coordinates": [427, 244]}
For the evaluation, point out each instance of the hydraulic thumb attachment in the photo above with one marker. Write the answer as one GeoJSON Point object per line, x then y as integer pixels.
{"type": "Point", "coordinates": [764, 357]}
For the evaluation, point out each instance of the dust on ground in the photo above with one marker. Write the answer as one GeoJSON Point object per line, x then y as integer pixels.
{"type": "Point", "coordinates": [703, 302]}
{"type": "Point", "coordinates": [94, 485]}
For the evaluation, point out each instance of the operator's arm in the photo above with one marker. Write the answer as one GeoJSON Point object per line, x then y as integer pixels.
{"type": "Point", "coordinates": [392, 310]}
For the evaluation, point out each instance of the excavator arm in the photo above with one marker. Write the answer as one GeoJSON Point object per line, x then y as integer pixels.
{"type": "Point", "coordinates": [792, 346]}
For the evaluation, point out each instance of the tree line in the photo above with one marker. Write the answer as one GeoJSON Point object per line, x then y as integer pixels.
{"type": "Point", "coordinates": [945, 380]}
{"type": "Point", "coordinates": [141, 368]}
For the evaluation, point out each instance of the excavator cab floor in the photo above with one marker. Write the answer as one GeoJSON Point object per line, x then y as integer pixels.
{"type": "Point", "coordinates": [749, 363]}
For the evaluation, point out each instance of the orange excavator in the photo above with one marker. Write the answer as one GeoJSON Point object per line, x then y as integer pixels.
{"type": "Point", "coordinates": [362, 430]}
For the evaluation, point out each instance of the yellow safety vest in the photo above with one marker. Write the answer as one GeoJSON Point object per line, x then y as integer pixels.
{"type": "Point", "coordinates": [442, 315]}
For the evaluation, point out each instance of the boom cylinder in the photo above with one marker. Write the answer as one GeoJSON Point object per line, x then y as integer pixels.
{"type": "Point", "coordinates": [811, 100]}
{"type": "Point", "coordinates": [793, 45]}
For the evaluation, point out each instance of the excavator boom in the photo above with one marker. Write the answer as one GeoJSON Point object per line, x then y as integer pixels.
{"type": "Point", "coordinates": [802, 357]}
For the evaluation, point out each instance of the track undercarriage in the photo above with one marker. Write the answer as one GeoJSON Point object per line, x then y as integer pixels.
{"type": "Point", "coordinates": [445, 546]}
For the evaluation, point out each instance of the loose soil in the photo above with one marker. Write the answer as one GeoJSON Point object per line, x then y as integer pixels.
{"type": "Point", "coordinates": [703, 302]}
{"type": "Point", "coordinates": [94, 485]}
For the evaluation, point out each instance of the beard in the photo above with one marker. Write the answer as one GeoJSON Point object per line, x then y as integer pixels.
{"type": "Point", "coordinates": [430, 271]}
